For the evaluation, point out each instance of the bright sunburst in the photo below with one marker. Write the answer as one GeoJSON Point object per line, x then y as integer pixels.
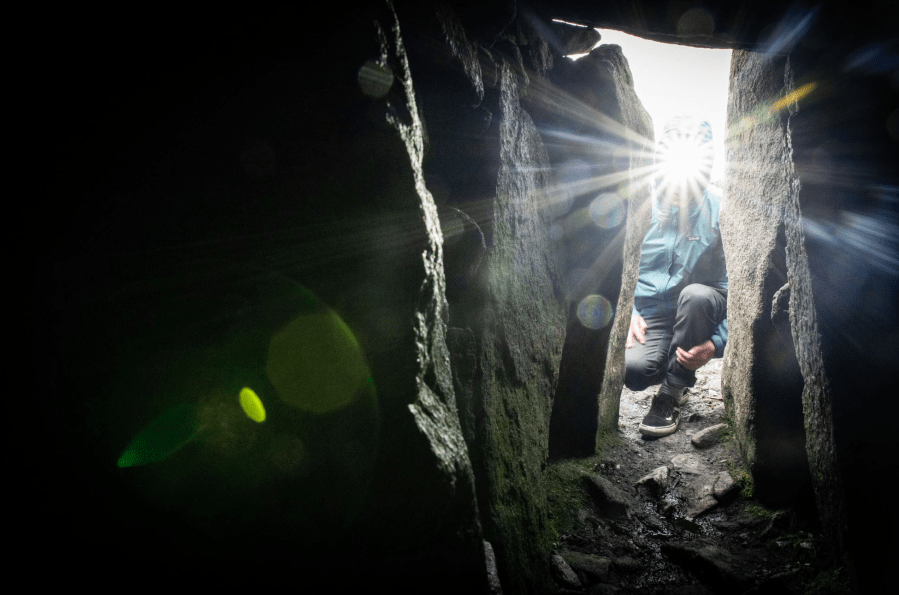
{"type": "Point", "coordinates": [684, 158]}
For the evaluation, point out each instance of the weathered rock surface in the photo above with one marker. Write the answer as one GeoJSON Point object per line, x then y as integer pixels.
{"type": "Point", "coordinates": [494, 587]}
{"type": "Point", "coordinates": [594, 568]}
{"type": "Point", "coordinates": [626, 565]}
{"type": "Point", "coordinates": [655, 482]}
{"type": "Point", "coordinates": [715, 566]}
{"type": "Point", "coordinates": [688, 463]}
{"type": "Point", "coordinates": [489, 167]}
{"type": "Point", "coordinates": [613, 503]}
{"type": "Point", "coordinates": [566, 39]}
{"type": "Point", "coordinates": [709, 491]}
{"type": "Point", "coordinates": [724, 486]}
{"type": "Point", "coordinates": [761, 377]}
{"type": "Point", "coordinates": [701, 500]}
{"type": "Point", "coordinates": [583, 150]}
{"type": "Point", "coordinates": [563, 573]}
{"type": "Point", "coordinates": [709, 436]}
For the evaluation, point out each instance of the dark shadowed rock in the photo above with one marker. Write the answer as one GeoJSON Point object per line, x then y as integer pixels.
{"type": "Point", "coordinates": [792, 449]}
{"type": "Point", "coordinates": [777, 525]}
{"type": "Point", "coordinates": [627, 565]}
{"type": "Point", "coordinates": [708, 437]}
{"type": "Point", "coordinates": [563, 573]}
{"type": "Point", "coordinates": [613, 503]}
{"type": "Point", "coordinates": [570, 39]}
{"type": "Point", "coordinates": [462, 350]}
{"type": "Point", "coordinates": [595, 568]}
{"type": "Point", "coordinates": [715, 566]}
{"type": "Point", "coordinates": [266, 149]}
{"type": "Point", "coordinates": [504, 283]}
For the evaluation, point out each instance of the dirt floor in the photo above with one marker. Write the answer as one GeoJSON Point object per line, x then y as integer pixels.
{"type": "Point", "coordinates": [696, 531]}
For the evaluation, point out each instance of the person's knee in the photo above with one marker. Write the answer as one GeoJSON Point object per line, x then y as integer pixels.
{"type": "Point", "coordinates": [695, 292]}
{"type": "Point", "coordinates": [697, 299]}
{"type": "Point", "coordinates": [640, 374]}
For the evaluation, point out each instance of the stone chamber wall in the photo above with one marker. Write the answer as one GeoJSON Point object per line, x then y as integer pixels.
{"type": "Point", "coordinates": [427, 170]}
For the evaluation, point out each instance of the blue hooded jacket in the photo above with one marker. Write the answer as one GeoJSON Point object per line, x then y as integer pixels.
{"type": "Point", "coordinates": [679, 251]}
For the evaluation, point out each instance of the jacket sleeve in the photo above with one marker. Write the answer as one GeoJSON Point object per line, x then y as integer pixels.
{"type": "Point", "coordinates": [720, 338]}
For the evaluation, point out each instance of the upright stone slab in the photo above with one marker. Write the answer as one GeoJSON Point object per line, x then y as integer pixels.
{"type": "Point", "coordinates": [434, 408]}
{"type": "Point", "coordinates": [761, 381]}
{"type": "Point", "coordinates": [597, 131]}
{"type": "Point", "coordinates": [488, 166]}
{"type": "Point", "coordinates": [520, 347]}
{"type": "Point", "coordinates": [637, 190]}
{"type": "Point", "coordinates": [817, 397]}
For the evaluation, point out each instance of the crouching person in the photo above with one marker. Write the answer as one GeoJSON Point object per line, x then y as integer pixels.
{"type": "Point", "coordinates": [679, 320]}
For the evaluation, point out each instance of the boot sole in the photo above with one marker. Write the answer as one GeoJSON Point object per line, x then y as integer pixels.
{"type": "Point", "coordinates": [658, 431]}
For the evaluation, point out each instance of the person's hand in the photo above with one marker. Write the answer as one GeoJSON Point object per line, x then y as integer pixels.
{"type": "Point", "coordinates": [696, 357]}
{"type": "Point", "coordinates": [637, 329]}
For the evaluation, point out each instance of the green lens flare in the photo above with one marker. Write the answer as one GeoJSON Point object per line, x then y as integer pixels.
{"type": "Point", "coordinates": [165, 435]}
{"type": "Point", "coordinates": [316, 363]}
{"type": "Point", "coordinates": [252, 405]}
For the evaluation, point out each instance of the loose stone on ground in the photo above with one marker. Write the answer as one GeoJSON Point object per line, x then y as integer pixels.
{"type": "Point", "coordinates": [708, 437]}
{"type": "Point", "coordinates": [613, 503]}
{"type": "Point", "coordinates": [655, 482]}
{"type": "Point", "coordinates": [595, 568]}
{"type": "Point", "coordinates": [563, 573]}
{"type": "Point", "coordinates": [664, 515]}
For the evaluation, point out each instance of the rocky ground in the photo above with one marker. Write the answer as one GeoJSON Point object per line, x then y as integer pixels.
{"type": "Point", "coordinates": [675, 514]}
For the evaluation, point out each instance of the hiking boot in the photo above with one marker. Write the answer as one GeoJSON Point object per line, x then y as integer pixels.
{"type": "Point", "coordinates": [664, 413]}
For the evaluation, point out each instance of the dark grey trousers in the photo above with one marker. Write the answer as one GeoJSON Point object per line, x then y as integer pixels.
{"type": "Point", "coordinates": [700, 309]}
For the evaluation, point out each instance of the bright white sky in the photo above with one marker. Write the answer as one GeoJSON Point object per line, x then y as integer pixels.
{"type": "Point", "coordinates": [673, 80]}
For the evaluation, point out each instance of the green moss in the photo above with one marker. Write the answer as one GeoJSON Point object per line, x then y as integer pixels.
{"type": "Point", "coordinates": [606, 440]}
{"type": "Point", "coordinates": [742, 476]}
{"type": "Point", "coordinates": [565, 491]}
{"type": "Point", "coordinates": [759, 511]}
{"type": "Point", "coordinates": [735, 463]}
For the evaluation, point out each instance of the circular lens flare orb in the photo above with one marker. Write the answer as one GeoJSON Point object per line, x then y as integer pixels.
{"type": "Point", "coordinates": [607, 210]}
{"type": "Point", "coordinates": [595, 312]}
